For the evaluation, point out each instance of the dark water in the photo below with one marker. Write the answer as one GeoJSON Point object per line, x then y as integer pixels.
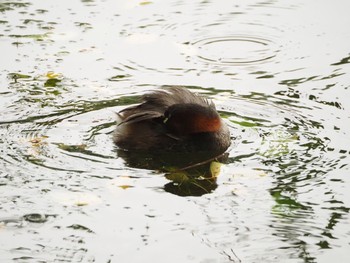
{"type": "Point", "coordinates": [278, 72]}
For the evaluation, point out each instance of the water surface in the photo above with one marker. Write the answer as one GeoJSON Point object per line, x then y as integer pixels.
{"type": "Point", "coordinates": [278, 72]}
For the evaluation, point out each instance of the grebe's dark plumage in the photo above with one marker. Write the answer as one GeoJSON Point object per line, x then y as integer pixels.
{"type": "Point", "coordinates": [172, 119]}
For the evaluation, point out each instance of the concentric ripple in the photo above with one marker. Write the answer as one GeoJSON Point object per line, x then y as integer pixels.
{"type": "Point", "coordinates": [235, 50]}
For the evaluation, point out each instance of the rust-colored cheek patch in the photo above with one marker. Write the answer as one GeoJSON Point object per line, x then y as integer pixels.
{"type": "Point", "coordinates": [205, 124]}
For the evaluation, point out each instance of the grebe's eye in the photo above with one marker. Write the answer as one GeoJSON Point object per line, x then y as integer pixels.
{"type": "Point", "coordinates": [167, 116]}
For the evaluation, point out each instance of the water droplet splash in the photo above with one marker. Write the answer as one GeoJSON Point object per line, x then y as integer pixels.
{"type": "Point", "coordinates": [235, 50]}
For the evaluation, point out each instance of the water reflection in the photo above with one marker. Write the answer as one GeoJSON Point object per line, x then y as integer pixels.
{"type": "Point", "coordinates": [192, 174]}
{"type": "Point", "coordinates": [345, 60]}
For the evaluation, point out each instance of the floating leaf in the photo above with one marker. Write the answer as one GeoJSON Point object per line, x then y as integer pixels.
{"type": "Point", "coordinates": [53, 75]}
{"type": "Point", "coordinates": [51, 82]}
{"type": "Point", "coordinates": [123, 182]}
{"type": "Point", "coordinates": [146, 3]}
{"type": "Point", "coordinates": [16, 76]}
{"type": "Point", "coordinates": [124, 187]}
{"type": "Point", "coordinates": [76, 198]}
{"type": "Point", "coordinates": [215, 169]}
{"type": "Point", "coordinates": [191, 183]}
{"type": "Point", "coordinates": [52, 79]}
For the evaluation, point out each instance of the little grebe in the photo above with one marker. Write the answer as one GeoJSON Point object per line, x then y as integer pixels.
{"type": "Point", "coordinates": [173, 119]}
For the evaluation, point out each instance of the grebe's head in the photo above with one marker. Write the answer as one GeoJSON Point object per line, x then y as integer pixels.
{"type": "Point", "coordinates": [190, 118]}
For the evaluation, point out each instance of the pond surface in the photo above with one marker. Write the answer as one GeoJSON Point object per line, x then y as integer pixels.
{"type": "Point", "coordinates": [279, 73]}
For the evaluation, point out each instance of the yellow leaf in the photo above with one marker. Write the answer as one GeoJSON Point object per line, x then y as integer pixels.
{"type": "Point", "coordinates": [215, 169]}
{"type": "Point", "coordinates": [52, 75]}
{"type": "Point", "coordinates": [79, 203]}
{"type": "Point", "coordinates": [146, 3]}
{"type": "Point", "coordinates": [124, 187]}
{"type": "Point", "coordinates": [76, 198]}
